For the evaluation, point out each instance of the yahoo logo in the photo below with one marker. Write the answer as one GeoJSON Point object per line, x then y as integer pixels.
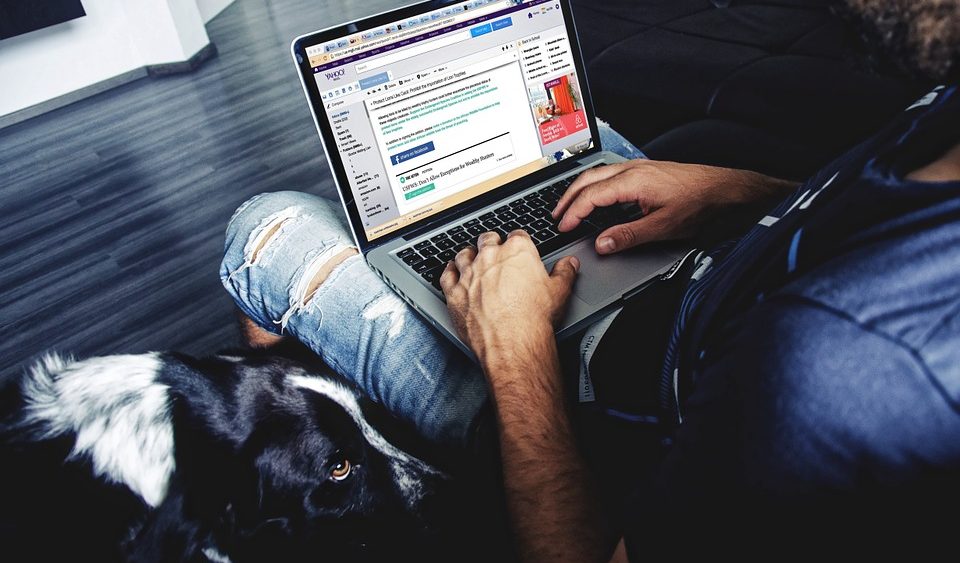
{"type": "Point", "coordinates": [335, 75]}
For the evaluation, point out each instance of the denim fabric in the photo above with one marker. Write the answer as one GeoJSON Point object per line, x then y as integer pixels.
{"type": "Point", "coordinates": [275, 244]}
{"type": "Point", "coordinates": [353, 320]}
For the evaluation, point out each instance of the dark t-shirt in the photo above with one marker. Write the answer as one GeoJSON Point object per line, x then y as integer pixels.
{"type": "Point", "coordinates": [817, 361]}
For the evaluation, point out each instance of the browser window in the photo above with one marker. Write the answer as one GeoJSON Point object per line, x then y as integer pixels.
{"type": "Point", "coordinates": [432, 111]}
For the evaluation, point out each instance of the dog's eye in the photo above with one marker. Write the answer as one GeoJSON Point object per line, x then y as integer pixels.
{"type": "Point", "coordinates": [341, 470]}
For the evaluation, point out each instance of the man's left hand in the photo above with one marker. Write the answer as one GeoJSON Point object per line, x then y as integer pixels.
{"type": "Point", "coordinates": [500, 295]}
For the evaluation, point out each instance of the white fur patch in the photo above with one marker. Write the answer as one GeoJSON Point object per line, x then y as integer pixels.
{"type": "Point", "coordinates": [214, 555]}
{"type": "Point", "coordinates": [117, 410]}
{"type": "Point", "coordinates": [406, 468]}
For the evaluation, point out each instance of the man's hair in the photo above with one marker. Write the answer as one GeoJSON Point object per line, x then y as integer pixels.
{"type": "Point", "coordinates": [921, 37]}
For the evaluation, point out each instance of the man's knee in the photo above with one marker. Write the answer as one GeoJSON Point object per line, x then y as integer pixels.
{"type": "Point", "coordinates": [279, 248]}
{"type": "Point", "coordinates": [252, 212]}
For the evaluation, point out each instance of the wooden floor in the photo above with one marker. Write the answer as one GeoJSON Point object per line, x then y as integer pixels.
{"type": "Point", "coordinates": [114, 207]}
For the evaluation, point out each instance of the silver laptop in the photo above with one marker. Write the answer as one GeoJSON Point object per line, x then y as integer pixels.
{"type": "Point", "coordinates": [443, 120]}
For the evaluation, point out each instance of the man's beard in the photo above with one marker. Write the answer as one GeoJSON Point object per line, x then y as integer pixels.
{"type": "Point", "coordinates": [918, 37]}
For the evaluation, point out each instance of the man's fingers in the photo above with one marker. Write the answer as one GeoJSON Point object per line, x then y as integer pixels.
{"type": "Point", "coordinates": [621, 237]}
{"type": "Point", "coordinates": [583, 180]}
{"type": "Point", "coordinates": [563, 275]}
{"type": "Point", "coordinates": [600, 194]}
{"type": "Point", "coordinates": [462, 262]}
{"type": "Point", "coordinates": [449, 278]}
{"type": "Point", "coordinates": [465, 257]}
{"type": "Point", "coordinates": [519, 233]}
{"type": "Point", "coordinates": [486, 239]}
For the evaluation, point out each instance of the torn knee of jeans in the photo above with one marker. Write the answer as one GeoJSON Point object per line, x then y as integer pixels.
{"type": "Point", "coordinates": [388, 305]}
{"type": "Point", "coordinates": [308, 278]}
{"type": "Point", "coordinates": [267, 232]}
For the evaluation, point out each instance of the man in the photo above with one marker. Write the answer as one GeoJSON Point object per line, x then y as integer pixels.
{"type": "Point", "coordinates": [813, 363]}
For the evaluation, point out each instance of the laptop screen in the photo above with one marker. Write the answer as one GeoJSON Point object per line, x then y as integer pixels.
{"type": "Point", "coordinates": [439, 108]}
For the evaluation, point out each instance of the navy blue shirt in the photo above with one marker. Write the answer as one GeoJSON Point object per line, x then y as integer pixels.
{"type": "Point", "coordinates": [817, 360]}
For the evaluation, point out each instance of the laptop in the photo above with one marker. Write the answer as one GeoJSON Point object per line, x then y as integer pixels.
{"type": "Point", "coordinates": [443, 120]}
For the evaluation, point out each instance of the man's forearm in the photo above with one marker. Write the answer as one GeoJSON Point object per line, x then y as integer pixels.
{"type": "Point", "coordinates": [549, 494]}
{"type": "Point", "coordinates": [747, 187]}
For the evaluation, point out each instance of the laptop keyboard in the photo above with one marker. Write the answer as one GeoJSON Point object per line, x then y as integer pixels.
{"type": "Point", "coordinates": [532, 213]}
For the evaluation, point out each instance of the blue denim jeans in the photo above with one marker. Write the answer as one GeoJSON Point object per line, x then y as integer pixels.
{"type": "Point", "coordinates": [276, 243]}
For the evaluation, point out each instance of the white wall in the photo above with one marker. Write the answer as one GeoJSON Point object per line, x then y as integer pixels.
{"type": "Point", "coordinates": [210, 8]}
{"type": "Point", "coordinates": [115, 37]}
{"type": "Point", "coordinates": [165, 31]}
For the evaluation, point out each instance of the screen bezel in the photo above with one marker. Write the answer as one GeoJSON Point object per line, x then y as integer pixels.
{"type": "Point", "coordinates": [335, 161]}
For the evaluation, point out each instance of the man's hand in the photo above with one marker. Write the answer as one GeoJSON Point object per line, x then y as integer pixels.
{"type": "Point", "coordinates": [675, 198]}
{"type": "Point", "coordinates": [500, 295]}
{"type": "Point", "coordinates": [505, 305]}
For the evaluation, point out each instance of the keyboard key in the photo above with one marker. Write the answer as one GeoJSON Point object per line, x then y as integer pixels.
{"type": "Point", "coordinates": [486, 216]}
{"type": "Point", "coordinates": [461, 246]}
{"type": "Point", "coordinates": [425, 265]}
{"type": "Point", "coordinates": [507, 216]}
{"type": "Point", "coordinates": [475, 230]}
{"type": "Point", "coordinates": [429, 251]}
{"type": "Point", "coordinates": [455, 230]}
{"type": "Point", "coordinates": [515, 203]}
{"type": "Point", "coordinates": [471, 223]}
{"type": "Point", "coordinates": [564, 239]}
{"type": "Point", "coordinates": [439, 237]}
{"type": "Point", "coordinates": [492, 223]}
{"type": "Point", "coordinates": [405, 252]}
{"type": "Point", "coordinates": [510, 226]}
{"type": "Point", "coordinates": [432, 276]}
{"type": "Point", "coordinates": [529, 228]}
{"type": "Point", "coordinates": [412, 258]}
{"type": "Point", "coordinates": [541, 224]}
{"type": "Point", "coordinates": [446, 256]}
{"type": "Point", "coordinates": [444, 244]}
{"type": "Point", "coordinates": [462, 236]}
{"type": "Point", "coordinates": [541, 212]}
{"type": "Point", "coordinates": [501, 209]}
{"type": "Point", "coordinates": [521, 209]}
{"type": "Point", "coordinates": [423, 244]}
{"type": "Point", "coordinates": [536, 203]}
{"type": "Point", "coordinates": [532, 195]}
{"type": "Point", "coordinates": [525, 219]}
{"type": "Point", "coordinates": [544, 235]}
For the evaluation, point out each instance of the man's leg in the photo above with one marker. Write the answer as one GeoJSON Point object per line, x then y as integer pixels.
{"type": "Point", "coordinates": [290, 265]}
{"type": "Point", "coordinates": [612, 141]}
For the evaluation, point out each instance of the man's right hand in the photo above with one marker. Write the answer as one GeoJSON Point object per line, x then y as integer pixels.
{"type": "Point", "coordinates": [675, 198]}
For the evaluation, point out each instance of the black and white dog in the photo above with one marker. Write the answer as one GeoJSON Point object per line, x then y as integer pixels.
{"type": "Point", "coordinates": [164, 457]}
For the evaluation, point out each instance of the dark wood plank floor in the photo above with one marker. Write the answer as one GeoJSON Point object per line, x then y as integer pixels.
{"type": "Point", "coordinates": [114, 207]}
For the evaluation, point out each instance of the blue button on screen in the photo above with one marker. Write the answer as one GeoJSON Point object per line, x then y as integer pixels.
{"type": "Point", "coordinates": [375, 80]}
{"type": "Point", "coordinates": [411, 153]}
{"type": "Point", "coordinates": [500, 24]}
{"type": "Point", "coordinates": [480, 30]}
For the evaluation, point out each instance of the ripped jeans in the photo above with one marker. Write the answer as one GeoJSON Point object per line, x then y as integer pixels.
{"type": "Point", "coordinates": [275, 245]}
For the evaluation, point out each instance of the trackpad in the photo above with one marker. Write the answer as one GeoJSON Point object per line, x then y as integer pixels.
{"type": "Point", "coordinates": [605, 278]}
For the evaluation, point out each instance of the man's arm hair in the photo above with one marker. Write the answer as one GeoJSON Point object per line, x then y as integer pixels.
{"type": "Point", "coordinates": [550, 497]}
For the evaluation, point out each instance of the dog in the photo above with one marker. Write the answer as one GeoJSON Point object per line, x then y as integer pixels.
{"type": "Point", "coordinates": [166, 457]}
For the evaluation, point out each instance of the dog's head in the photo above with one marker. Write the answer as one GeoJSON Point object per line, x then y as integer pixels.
{"type": "Point", "coordinates": [296, 467]}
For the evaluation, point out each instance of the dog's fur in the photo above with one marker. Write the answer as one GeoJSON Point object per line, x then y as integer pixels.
{"type": "Point", "coordinates": [163, 457]}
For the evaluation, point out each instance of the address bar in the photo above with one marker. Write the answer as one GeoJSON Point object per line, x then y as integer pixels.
{"type": "Point", "coordinates": [418, 30]}
{"type": "Point", "coordinates": [414, 51]}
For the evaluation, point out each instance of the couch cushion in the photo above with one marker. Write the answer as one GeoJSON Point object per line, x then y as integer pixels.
{"type": "Point", "coordinates": [754, 74]}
